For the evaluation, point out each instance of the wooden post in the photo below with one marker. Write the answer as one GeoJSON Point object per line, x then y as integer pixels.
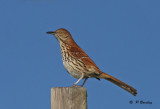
{"type": "Point", "coordinates": [68, 98]}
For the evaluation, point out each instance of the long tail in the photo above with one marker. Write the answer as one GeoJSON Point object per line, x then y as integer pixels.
{"type": "Point", "coordinates": [119, 83]}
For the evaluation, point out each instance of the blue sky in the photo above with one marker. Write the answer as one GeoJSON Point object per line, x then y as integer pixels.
{"type": "Point", "coordinates": [121, 36]}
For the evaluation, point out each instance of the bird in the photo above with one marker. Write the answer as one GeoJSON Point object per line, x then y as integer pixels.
{"type": "Point", "coordinates": [79, 65]}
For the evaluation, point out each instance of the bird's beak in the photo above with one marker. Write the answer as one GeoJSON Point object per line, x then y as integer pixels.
{"type": "Point", "coordinates": [51, 32]}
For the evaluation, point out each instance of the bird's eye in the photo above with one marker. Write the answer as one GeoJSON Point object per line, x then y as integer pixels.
{"type": "Point", "coordinates": [61, 32]}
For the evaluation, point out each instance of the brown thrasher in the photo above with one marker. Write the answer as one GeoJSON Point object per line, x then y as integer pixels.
{"type": "Point", "coordinates": [79, 64]}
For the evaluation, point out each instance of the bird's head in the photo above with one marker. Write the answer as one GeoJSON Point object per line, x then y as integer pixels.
{"type": "Point", "coordinates": [62, 35]}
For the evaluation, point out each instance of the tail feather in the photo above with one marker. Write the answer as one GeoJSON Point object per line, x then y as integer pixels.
{"type": "Point", "coordinates": [119, 83]}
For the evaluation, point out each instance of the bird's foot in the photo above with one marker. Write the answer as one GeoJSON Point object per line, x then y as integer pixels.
{"type": "Point", "coordinates": [77, 85]}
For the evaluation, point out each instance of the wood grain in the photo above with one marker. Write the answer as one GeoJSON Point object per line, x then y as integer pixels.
{"type": "Point", "coordinates": [68, 98]}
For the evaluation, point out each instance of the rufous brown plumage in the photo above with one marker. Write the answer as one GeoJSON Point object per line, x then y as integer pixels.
{"type": "Point", "coordinates": [79, 64]}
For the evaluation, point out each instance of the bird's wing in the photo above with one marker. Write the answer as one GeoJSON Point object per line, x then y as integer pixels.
{"type": "Point", "coordinates": [80, 54]}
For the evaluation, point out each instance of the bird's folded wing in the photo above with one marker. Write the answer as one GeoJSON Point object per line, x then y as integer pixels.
{"type": "Point", "coordinates": [80, 54]}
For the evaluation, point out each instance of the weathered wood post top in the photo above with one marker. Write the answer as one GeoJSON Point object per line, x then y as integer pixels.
{"type": "Point", "coordinates": [68, 98]}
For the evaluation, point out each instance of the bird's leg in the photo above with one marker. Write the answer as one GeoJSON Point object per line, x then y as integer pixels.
{"type": "Point", "coordinates": [84, 81]}
{"type": "Point", "coordinates": [82, 76]}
